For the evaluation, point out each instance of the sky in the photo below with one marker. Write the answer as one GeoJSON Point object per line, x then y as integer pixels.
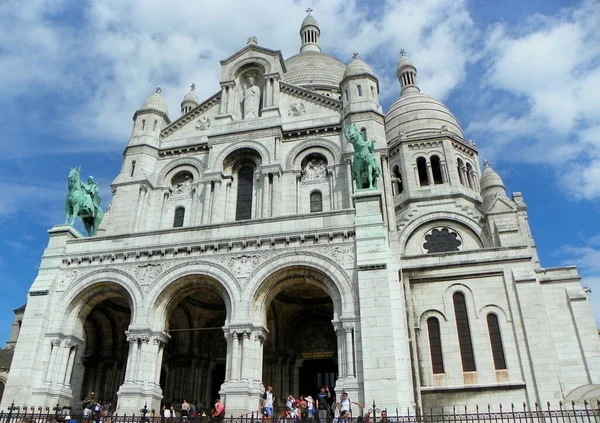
{"type": "Point", "coordinates": [522, 77]}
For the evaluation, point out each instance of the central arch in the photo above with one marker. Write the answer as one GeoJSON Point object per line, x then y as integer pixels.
{"type": "Point", "coordinates": [298, 305]}
{"type": "Point", "coordinates": [195, 309]}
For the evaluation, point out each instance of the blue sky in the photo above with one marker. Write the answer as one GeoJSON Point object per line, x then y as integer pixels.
{"type": "Point", "coordinates": [522, 77]}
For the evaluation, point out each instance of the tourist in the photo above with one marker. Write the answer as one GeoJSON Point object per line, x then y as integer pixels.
{"type": "Point", "coordinates": [322, 404]}
{"type": "Point", "coordinates": [310, 409]}
{"type": "Point", "coordinates": [289, 403]}
{"type": "Point", "coordinates": [167, 411]}
{"type": "Point", "coordinates": [185, 410]}
{"type": "Point", "coordinates": [384, 418]}
{"type": "Point", "coordinates": [346, 403]}
{"type": "Point", "coordinates": [267, 402]}
{"type": "Point", "coordinates": [88, 406]}
{"type": "Point", "coordinates": [218, 412]}
{"type": "Point", "coordinates": [343, 418]}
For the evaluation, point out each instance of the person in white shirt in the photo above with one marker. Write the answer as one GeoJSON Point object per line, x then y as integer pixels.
{"type": "Point", "coordinates": [346, 404]}
{"type": "Point", "coordinates": [267, 402]}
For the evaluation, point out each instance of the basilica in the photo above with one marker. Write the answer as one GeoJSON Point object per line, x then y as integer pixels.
{"type": "Point", "coordinates": [240, 251]}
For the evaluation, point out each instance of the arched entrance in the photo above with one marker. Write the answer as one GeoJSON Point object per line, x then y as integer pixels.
{"type": "Point", "coordinates": [300, 354]}
{"type": "Point", "coordinates": [100, 366]}
{"type": "Point", "coordinates": [194, 359]}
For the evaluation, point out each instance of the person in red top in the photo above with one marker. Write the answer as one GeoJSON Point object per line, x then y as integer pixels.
{"type": "Point", "coordinates": [218, 413]}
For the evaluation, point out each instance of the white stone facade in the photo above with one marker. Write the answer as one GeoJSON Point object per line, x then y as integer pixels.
{"type": "Point", "coordinates": [238, 253]}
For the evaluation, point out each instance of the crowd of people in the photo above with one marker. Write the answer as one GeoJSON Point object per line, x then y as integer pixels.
{"type": "Point", "coordinates": [323, 408]}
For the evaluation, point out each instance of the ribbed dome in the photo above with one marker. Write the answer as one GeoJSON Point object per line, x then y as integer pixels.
{"type": "Point", "coordinates": [155, 102]}
{"type": "Point", "coordinates": [309, 20]}
{"type": "Point", "coordinates": [490, 179]}
{"type": "Point", "coordinates": [311, 67]}
{"type": "Point", "coordinates": [357, 67]}
{"type": "Point", "coordinates": [418, 115]}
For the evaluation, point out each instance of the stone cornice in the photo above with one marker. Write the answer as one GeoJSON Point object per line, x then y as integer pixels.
{"type": "Point", "coordinates": [180, 151]}
{"type": "Point", "coordinates": [311, 95]}
{"type": "Point", "coordinates": [191, 115]}
{"type": "Point", "coordinates": [261, 133]}
{"type": "Point", "coordinates": [398, 141]}
{"type": "Point", "coordinates": [258, 49]}
{"type": "Point", "coordinates": [362, 76]}
{"type": "Point", "coordinates": [141, 149]}
{"type": "Point", "coordinates": [312, 132]}
{"type": "Point", "coordinates": [152, 111]}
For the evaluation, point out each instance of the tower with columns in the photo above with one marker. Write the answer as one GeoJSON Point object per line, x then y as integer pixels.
{"type": "Point", "coordinates": [238, 253]}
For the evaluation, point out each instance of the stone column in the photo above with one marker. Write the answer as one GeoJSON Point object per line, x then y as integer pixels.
{"type": "Point", "coordinates": [257, 194]}
{"type": "Point", "coordinates": [330, 179]}
{"type": "Point", "coordinates": [266, 195]}
{"type": "Point", "coordinates": [339, 332]}
{"type": "Point", "coordinates": [194, 208]}
{"type": "Point", "coordinates": [348, 328]}
{"type": "Point", "coordinates": [230, 97]}
{"type": "Point", "coordinates": [140, 207]}
{"type": "Point", "coordinates": [430, 173]}
{"type": "Point", "coordinates": [216, 207]}
{"type": "Point", "coordinates": [235, 356]}
{"type": "Point", "coordinates": [465, 176]}
{"type": "Point", "coordinates": [165, 198]}
{"type": "Point", "coordinates": [206, 203]}
{"type": "Point", "coordinates": [298, 199]}
{"type": "Point", "coordinates": [387, 184]}
{"type": "Point", "coordinates": [276, 195]}
{"type": "Point", "coordinates": [444, 172]}
{"type": "Point", "coordinates": [70, 362]}
{"type": "Point", "coordinates": [246, 355]}
{"type": "Point", "coordinates": [159, 343]}
{"type": "Point", "coordinates": [52, 362]}
{"type": "Point", "coordinates": [349, 181]}
{"type": "Point", "coordinates": [276, 91]}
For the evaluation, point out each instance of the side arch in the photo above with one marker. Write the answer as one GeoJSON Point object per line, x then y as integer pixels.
{"type": "Point", "coordinates": [431, 313]}
{"type": "Point", "coordinates": [233, 72]}
{"type": "Point", "coordinates": [195, 165]}
{"type": "Point", "coordinates": [111, 282]}
{"type": "Point", "coordinates": [262, 282]}
{"type": "Point", "coordinates": [492, 308]}
{"type": "Point", "coordinates": [326, 147]}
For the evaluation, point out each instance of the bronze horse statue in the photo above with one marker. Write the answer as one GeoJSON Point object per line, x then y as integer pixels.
{"type": "Point", "coordinates": [83, 200]}
{"type": "Point", "coordinates": [365, 168]}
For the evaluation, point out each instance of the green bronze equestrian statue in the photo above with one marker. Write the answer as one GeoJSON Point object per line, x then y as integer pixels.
{"type": "Point", "coordinates": [365, 168]}
{"type": "Point", "coordinates": [83, 200]}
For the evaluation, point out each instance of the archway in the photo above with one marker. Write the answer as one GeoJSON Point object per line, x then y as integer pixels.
{"type": "Point", "coordinates": [301, 352]}
{"type": "Point", "coordinates": [194, 360]}
{"type": "Point", "coordinates": [103, 363]}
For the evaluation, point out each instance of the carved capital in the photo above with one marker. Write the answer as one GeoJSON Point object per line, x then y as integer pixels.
{"type": "Point", "coordinates": [348, 327]}
{"type": "Point", "coordinates": [144, 188]}
{"type": "Point", "coordinates": [55, 342]}
{"type": "Point", "coordinates": [348, 161]}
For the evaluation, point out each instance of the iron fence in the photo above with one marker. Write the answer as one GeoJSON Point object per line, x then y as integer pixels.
{"type": "Point", "coordinates": [565, 413]}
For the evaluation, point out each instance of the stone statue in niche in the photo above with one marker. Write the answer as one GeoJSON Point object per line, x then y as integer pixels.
{"type": "Point", "coordinates": [183, 189]}
{"type": "Point", "coordinates": [251, 99]}
{"type": "Point", "coordinates": [314, 172]}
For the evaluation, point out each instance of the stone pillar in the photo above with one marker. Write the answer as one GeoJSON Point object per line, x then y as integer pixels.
{"type": "Point", "coordinates": [386, 185]}
{"type": "Point", "coordinates": [330, 180]}
{"type": "Point", "coordinates": [298, 199]}
{"type": "Point", "coordinates": [52, 361]}
{"type": "Point", "coordinates": [165, 199]}
{"type": "Point", "coordinates": [430, 173]}
{"type": "Point", "coordinates": [216, 206]}
{"type": "Point", "coordinates": [235, 356]}
{"type": "Point", "coordinates": [206, 203]}
{"type": "Point", "coordinates": [445, 178]}
{"type": "Point", "coordinates": [246, 369]}
{"type": "Point", "coordinates": [349, 349]}
{"type": "Point", "coordinates": [257, 196]}
{"type": "Point", "coordinates": [194, 208]}
{"type": "Point", "coordinates": [276, 195]}
{"type": "Point", "coordinates": [266, 195]}
{"type": "Point", "coordinates": [73, 347]}
{"type": "Point", "coordinates": [349, 181]}
{"type": "Point", "coordinates": [140, 207]}
{"type": "Point", "coordinates": [339, 332]}
{"type": "Point", "coordinates": [465, 176]}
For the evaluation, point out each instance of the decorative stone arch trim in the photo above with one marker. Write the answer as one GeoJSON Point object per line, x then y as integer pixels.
{"type": "Point", "coordinates": [234, 71]}
{"type": "Point", "coordinates": [327, 148]}
{"type": "Point", "coordinates": [161, 293]}
{"type": "Point", "coordinates": [86, 287]}
{"type": "Point", "coordinates": [192, 164]}
{"type": "Point", "coordinates": [431, 313]}
{"type": "Point", "coordinates": [497, 310]}
{"type": "Point", "coordinates": [336, 282]}
{"type": "Point", "coordinates": [469, 298]}
{"type": "Point", "coordinates": [471, 224]}
{"type": "Point", "coordinates": [428, 154]}
{"type": "Point", "coordinates": [217, 164]}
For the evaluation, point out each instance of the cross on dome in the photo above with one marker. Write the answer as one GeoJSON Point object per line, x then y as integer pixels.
{"type": "Point", "coordinates": [355, 55]}
{"type": "Point", "coordinates": [308, 10]}
{"type": "Point", "coordinates": [159, 89]}
{"type": "Point", "coordinates": [193, 86]}
{"type": "Point", "coordinates": [402, 53]}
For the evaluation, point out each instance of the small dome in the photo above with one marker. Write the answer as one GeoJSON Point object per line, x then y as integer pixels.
{"type": "Point", "coordinates": [417, 115]}
{"type": "Point", "coordinates": [404, 62]}
{"type": "Point", "coordinates": [491, 180]}
{"type": "Point", "coordinates": [191, 96]}
{"type": "Point", "coordinates": [312, 67]}
{"type": "Point", "coordinates": [309, 20]}
{"type": "Point", "coordinates": [357, 67]}
{"type": "Point", "coordinates": [156, 102]}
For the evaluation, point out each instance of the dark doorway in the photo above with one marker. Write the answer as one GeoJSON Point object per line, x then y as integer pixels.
{"type": "Point", "coordinates": [317, 373]}
{"type": "Point", "coordinates": [217, 379]}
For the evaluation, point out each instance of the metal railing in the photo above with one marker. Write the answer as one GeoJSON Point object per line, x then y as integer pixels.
{"type": "Point", "coordinates": [565, 413]}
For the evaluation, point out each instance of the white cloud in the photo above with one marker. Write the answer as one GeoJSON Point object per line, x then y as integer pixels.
{"type": "Point", "coordinates": [549, 71]}
{"type": "Point", "coordinates": [106, 57]}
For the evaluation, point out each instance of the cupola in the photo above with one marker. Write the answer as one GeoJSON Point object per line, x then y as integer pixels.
{"type": "Point", "coordinates": [407, 75]}
{"type": "Point", "coordinates": [190, 101]}
{"type": "Point", "coordinates": [491, 184]}
{"type": "Point", "coordinates": [310, 33]}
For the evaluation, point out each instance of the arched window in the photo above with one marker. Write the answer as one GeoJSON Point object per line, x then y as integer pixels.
{"type": "Point", "coordinates": [422, 170]}
{"type": "Point", "coordinates": [470, 176]}
{"type": "Point", "coordinates": [464, 332]}
{"type": "Point", "coordinates": [316, 201]}
{"type": "Point", "coordinates": [179, 216]}
{"type": "Point", "coordinates": [364, 132]}
{"type": "Point", "coordinates": [132, 168]}
{"type": "Point", "coordinates": [346, 94]}
{"type": "Point", "coordinates": [398, 176]}
{"type": "Point", "coordinates": [496, 341]}
{"type": "Point", "coordinates": [155, 124]}
{"type": "Point", "coordinates": [143, 124]}
{"type": "Point", "coordinates": [243, 209]}
{"type": "Point", "coordinates": [459, 167]}
{"type": "Point", "coordinates": [359, 89]}
{"type": "Point", "coordinates": [435, 345]}
{"type": "Point", "coordinates": [436, 170]}
{"type": "Point", "coordinates": [1, 390]}
{"type": "Point", "coordinates": [372, 91]}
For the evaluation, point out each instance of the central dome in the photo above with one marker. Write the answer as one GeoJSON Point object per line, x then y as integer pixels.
{"type": "Point", "coordinates": [418, 115]}
{"type": "Point", "coordinates": [314, 68]}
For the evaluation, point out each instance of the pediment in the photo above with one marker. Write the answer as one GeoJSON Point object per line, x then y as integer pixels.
{"type": "Point", "coordinates": [291, 94]}
{"type": "Point", "coordinates": [269, 61]}
{"type": "Point", "coordinates": [196, 121]}
{"type": "Point", "coordinates": [501, 205]}
{"type": "Point", "coordinates": [255, 50]}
